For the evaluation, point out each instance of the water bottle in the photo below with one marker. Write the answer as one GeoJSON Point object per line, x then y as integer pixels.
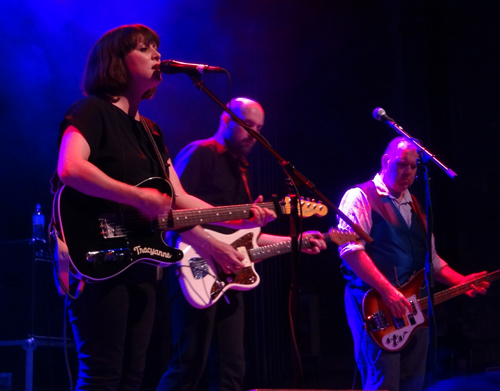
{"type": "Point", "coordinates": [38, 224]}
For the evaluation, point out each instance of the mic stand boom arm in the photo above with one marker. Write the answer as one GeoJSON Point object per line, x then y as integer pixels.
{"type": "Point", "coordinates": [291, 171]}
{"type": "Point", "coordinates": [430, 156]}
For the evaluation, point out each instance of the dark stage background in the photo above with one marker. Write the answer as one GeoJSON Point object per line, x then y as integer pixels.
{"type": "Point", "coordinates": [318, 68]}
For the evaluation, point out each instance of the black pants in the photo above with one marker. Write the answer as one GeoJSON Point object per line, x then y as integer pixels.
{"type": "Point", "coordinates": [210, 338]}
{"type": "Point", "coordinates": [112, 322]}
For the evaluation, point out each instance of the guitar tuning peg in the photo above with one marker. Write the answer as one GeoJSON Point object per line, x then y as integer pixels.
{"type": "Point", "coordinates": [320, 201]}
{"type": "Point", "coordinates": [313, 200]}
{"type": "Point", "coordinates": [301, 198]}
{"type": "Point", "coordinates": [308, 199]}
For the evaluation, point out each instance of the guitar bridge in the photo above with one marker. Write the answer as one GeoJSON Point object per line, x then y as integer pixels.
{"type": "Point", "coordinates": [377, 321]}
{"type": "Point", "coordinates": [109, 228]}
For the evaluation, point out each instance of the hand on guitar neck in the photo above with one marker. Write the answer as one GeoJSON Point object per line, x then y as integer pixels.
{"type": "Point", "coordinates": [450, 277]}
{"type": "Point", "coordinates": [260, 217]}
{"type": "Point", "coordinates": [316, 240]}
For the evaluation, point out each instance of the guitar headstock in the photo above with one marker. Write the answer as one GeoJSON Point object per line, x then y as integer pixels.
{"type": "Point", "coordinates": [306, 208]}
{"type": "Point", "coordinates": [342, 236]}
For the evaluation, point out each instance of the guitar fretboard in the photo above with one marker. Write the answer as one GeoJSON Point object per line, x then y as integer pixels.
{"type": "Point", "coordinates": [190, 217]}
{"type": "Point", "coordinates": [457, 290]}
{"type": "Point", "coordinates": [259, 253]}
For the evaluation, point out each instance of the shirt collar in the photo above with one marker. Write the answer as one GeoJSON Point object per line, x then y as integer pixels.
{"type": "Point", "coordinates": [382, 190]}
{"type": "Point", "coordinates": [221, 149]}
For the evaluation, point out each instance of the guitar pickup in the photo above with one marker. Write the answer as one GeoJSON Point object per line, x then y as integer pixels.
{"type": "Point", "coordinates": [199, 267]}
{"type": "Point", "coordinates": [414, 307]}
{"type": "Point", "coordinates": [398, 322]}
{"type": "Point", "coordinates": [104, 256]}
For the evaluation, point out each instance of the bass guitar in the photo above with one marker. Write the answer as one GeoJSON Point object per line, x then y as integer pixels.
{"type": "Point", "coordinates": [105, 238]}
{"type": "Point", "coordinates": [392, 333]}
{"type": "Point", "coordinates": [202, 280]}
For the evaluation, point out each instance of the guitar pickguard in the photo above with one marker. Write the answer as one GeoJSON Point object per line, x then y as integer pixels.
{"type": "Point", "coordinates": [396, 332]}
{"type": "Point", "coordinates": [202, 280]}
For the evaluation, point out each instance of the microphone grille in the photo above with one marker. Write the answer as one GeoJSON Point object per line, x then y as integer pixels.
{"type": "Point", "coordinates": [378, 113]}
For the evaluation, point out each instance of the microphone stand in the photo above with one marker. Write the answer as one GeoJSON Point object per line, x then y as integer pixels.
{"type": "Point", "coordinates": [429, 272]}
{"type": "Point", "coordinates": [297, 179]}
{"type": "Point", "coordinates": [424, 156]}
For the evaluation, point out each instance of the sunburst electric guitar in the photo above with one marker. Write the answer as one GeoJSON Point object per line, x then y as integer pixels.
{"type": "Point", "coordinates": [392, 333]}
{"type": "Point", "coordinates": [105, 238]}
{"type": "Point", "coordinates": [202, 280]}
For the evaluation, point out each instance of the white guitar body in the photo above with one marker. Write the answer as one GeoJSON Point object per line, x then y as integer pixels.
{"type": "Point", "coordinates": [202, 280]}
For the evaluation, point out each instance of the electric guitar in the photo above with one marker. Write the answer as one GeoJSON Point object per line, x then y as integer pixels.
{"type": "Point", "coordinates": [202, 280]}
{"type": "Point", "coordinates": [105, 238]}
{"type": "Point", "coordinates": [392, 333]}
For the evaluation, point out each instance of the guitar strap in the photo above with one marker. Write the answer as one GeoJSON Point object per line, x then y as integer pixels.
{"type": "Point", "coordinates": [61, 262]}
{"type": "Point", "coordinates": [243, 167]}
{"type": "Point", "coordinates": [387, 211]}
{"type": "Point", "coordinates": [148, 127]}
{"type": "Point", "coordinates": [384, 209]}
{"type": "Point", "coordinates": [422, 219]}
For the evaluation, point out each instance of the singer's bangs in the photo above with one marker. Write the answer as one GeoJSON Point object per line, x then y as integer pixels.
{"type": "Point", "coordinates": [147, 36]}
{"type": "Point", "coordinates": [135, 34]}
{"type": "Point", "coordinates": [105, 73]}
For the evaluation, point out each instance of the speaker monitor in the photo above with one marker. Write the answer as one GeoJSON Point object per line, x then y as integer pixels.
{"type": "Point", "coordinates": [31, 318]}
{"type": "Point", "coordinates": [29, 302]}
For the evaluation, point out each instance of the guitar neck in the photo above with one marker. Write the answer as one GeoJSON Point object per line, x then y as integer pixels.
{"type": "Point", "coordinates": [260, 253]}
{"type": "Point", "coordinates": [457, 290]}
{"type": "Point", "coordinates": [177, 219]}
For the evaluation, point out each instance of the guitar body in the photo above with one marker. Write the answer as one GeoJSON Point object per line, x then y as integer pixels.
{"type": "Point", "coordinates": [105, 238]}
{"type": "Point", "coordinates": [388, 332]}
{"type": "Point", "coordinates": [203, 282]}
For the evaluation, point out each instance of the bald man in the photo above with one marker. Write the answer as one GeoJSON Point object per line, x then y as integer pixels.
{"type": "Point", "coordinates": [385, 209]}
{"type": "Point", "coordinates": [216, 170]}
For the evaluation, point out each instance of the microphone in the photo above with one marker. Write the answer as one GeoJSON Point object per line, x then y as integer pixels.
{"type": "Point", "coordinates": [379, 113]}
{"type": "Point", "coordinates": [171, 66]}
